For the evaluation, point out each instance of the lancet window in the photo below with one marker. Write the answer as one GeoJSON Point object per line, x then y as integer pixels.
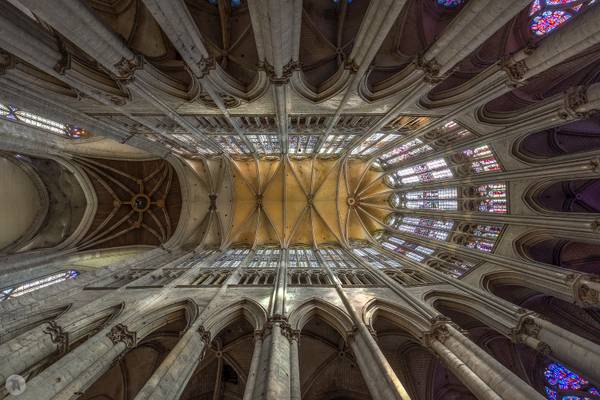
{"type": "Point", "coordinates": [12, 113]}
{"type": "Point", "coordinates": [36, 284]}
{"type": "Point", "coordinates": [548, 15]}
{"type": "Point", "coordinates": [185, 143]}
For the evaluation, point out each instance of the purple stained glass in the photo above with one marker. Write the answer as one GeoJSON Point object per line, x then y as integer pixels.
{"type": "Point", "coordinates": [450, 3]}
{"type": "Point", "coordinates": [561, 382]}
{"type": "Point", "coordinates": [548, 21]}
{"type": "Point", "coordinates": [559, 2]}
{"type": "Point", "coordinates": [535, 7]}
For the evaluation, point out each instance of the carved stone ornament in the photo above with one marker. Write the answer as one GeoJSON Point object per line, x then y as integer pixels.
{"type": "Point", "coordinates": [588, 295]}
{"type": "Point", "coordinates": [431, 69]}
{"type": "Point", "coordinates": [288, 70]}
{"type": "Point", "coordinates": [64, 64]}
{"type": "Point", "coordinates": [58, 336]}
{"type": "Point", "coordinates": [516, 72]}
{"type": "Point", "coordinates": [205, 335]}
{"type": "Point", "coordinates": [126, 68]}
{"type": "Point", "coordinates": [528, 327]}
{"type": "Point", "coordinates": [574, 98]}
{"type": "Point", "coordinates": [120, 333]}
{"type": "Point", "coordinates": [205, 65]}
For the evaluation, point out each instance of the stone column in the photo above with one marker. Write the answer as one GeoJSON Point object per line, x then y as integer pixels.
{"type": "Point", "coordinates": [76, 371]}
{"type": "Point", "coordinates": [295, 384]}
{"type": "Point", "coordinates": [170, 379]}
{"type": "Point", "coordinates": [254, 365]}
{"type": "Point", "coordinates": [379, 376]}
{"type": "Point", "coordinates": [273, 379]}
{"type": "Point", "coordinates": [576, 352]}
{"type": "Point", "coordinates": [485, 377]}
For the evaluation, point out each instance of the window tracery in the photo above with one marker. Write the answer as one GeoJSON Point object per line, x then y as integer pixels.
{"type": "Point", "coordinates": [37, 284]}
{"type": "Point", "coordinates": [232, 258]}
{"type": "Point", "coordinates": [232, 144]}
{"type": "Point", "coordinates": [15, 114]}
{"type": "Point", "coordinates": [302, 144]}
{"type": "Point", "coordinates": [265, 144]}
{"type": "Point", "coordinates": [266, 257]}
{"type": "Point", "coordinates": [302, 258]}
{"type": "Point", "coordinates": [333, 145]}
{"type": "Point", "coordinates": [475, 160]}
{"type": "Point", "coordinates": [482, 237]}
{"type": "Point", "coordinates": [374, 142]}
{"type": "Point", "coordinates": [374, 257]}
{"type": "Point", "coordinates": [548, 15]}
{"type": "Point", "coordinates": [564, 384]}
{"type": "Point", "coordinates": [409, 249]}
{"type": "Point", "coordinates": [490, 197]}
{"type": "Point", "coordinates": [435, 139]}
{"type": "Point", "coordinates": [334, 257]}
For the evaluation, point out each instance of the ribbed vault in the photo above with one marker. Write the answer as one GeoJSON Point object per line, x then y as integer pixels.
{"type": "Point", "coordinates": [285, 202]}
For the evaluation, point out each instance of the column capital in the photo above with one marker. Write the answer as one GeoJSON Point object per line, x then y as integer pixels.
{"type": "Point", "coordinates": [126, 68]}
{"type": "Point", "coordinates": [573, 99]}
{"type": "Point", "coordinates": [120, 333]}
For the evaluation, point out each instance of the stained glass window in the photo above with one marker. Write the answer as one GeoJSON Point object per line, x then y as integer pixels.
{"type": "Point", "coordinates": [450, 3]}
{"type": "Point", "coordinates": [483, 160]}
{"type": "Point", "coordinates": [493, 198]}
{"type": "Point", "coordinates": [374, 142]}
{"type": "Point", "coordinates": [302, 144]}
{"type": "Point", "coordinates": [374, 257]}
{"type": "Point", "coordinates": [434, 199]}
{"type": "Point", "coordinates": [403, 152]}
{"type": "Point", "coordinates": [302, 258]}
{"type": "Point", "coordinates": [335, 144]}
{"type": "Point", "coordinates": [232, 258]}
{"type": "Point", "coordinates": [564, 384]}
{"type": "Point", "coordinates": [15, 114]}
{"type": "Point", "coordinates": [422, 173]}
{"type": "Point", "coordinates": [409, 249]}
{"type": "Point", "coordinates": [422, 226]}
{"type": "Point", "coordinates": [335, 258]}
{"type": "Point", "coordinates": [232, 144]}
{"type": "Point", "coordinates": [548, 15]}
{"type": "Point", "coordinates": [265, 144]}
{"type": "Point", "coordinates": [483, 237]}
{"type": "Point", "coordinates": [37, 284]}
{"type": "Point", "coordinates": [267, 257]}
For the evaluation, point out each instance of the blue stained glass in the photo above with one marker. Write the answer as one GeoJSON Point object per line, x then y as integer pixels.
{"type": "Point", "coordinates": [450, 3]}
{"type": "Point", "coordinates": [548, 15]}
{"type": "Point", "coordinates": [560, 381]}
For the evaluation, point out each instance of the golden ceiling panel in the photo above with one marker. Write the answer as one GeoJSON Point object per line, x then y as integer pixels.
{"type": "Point", "coordinates": [310, 202]}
